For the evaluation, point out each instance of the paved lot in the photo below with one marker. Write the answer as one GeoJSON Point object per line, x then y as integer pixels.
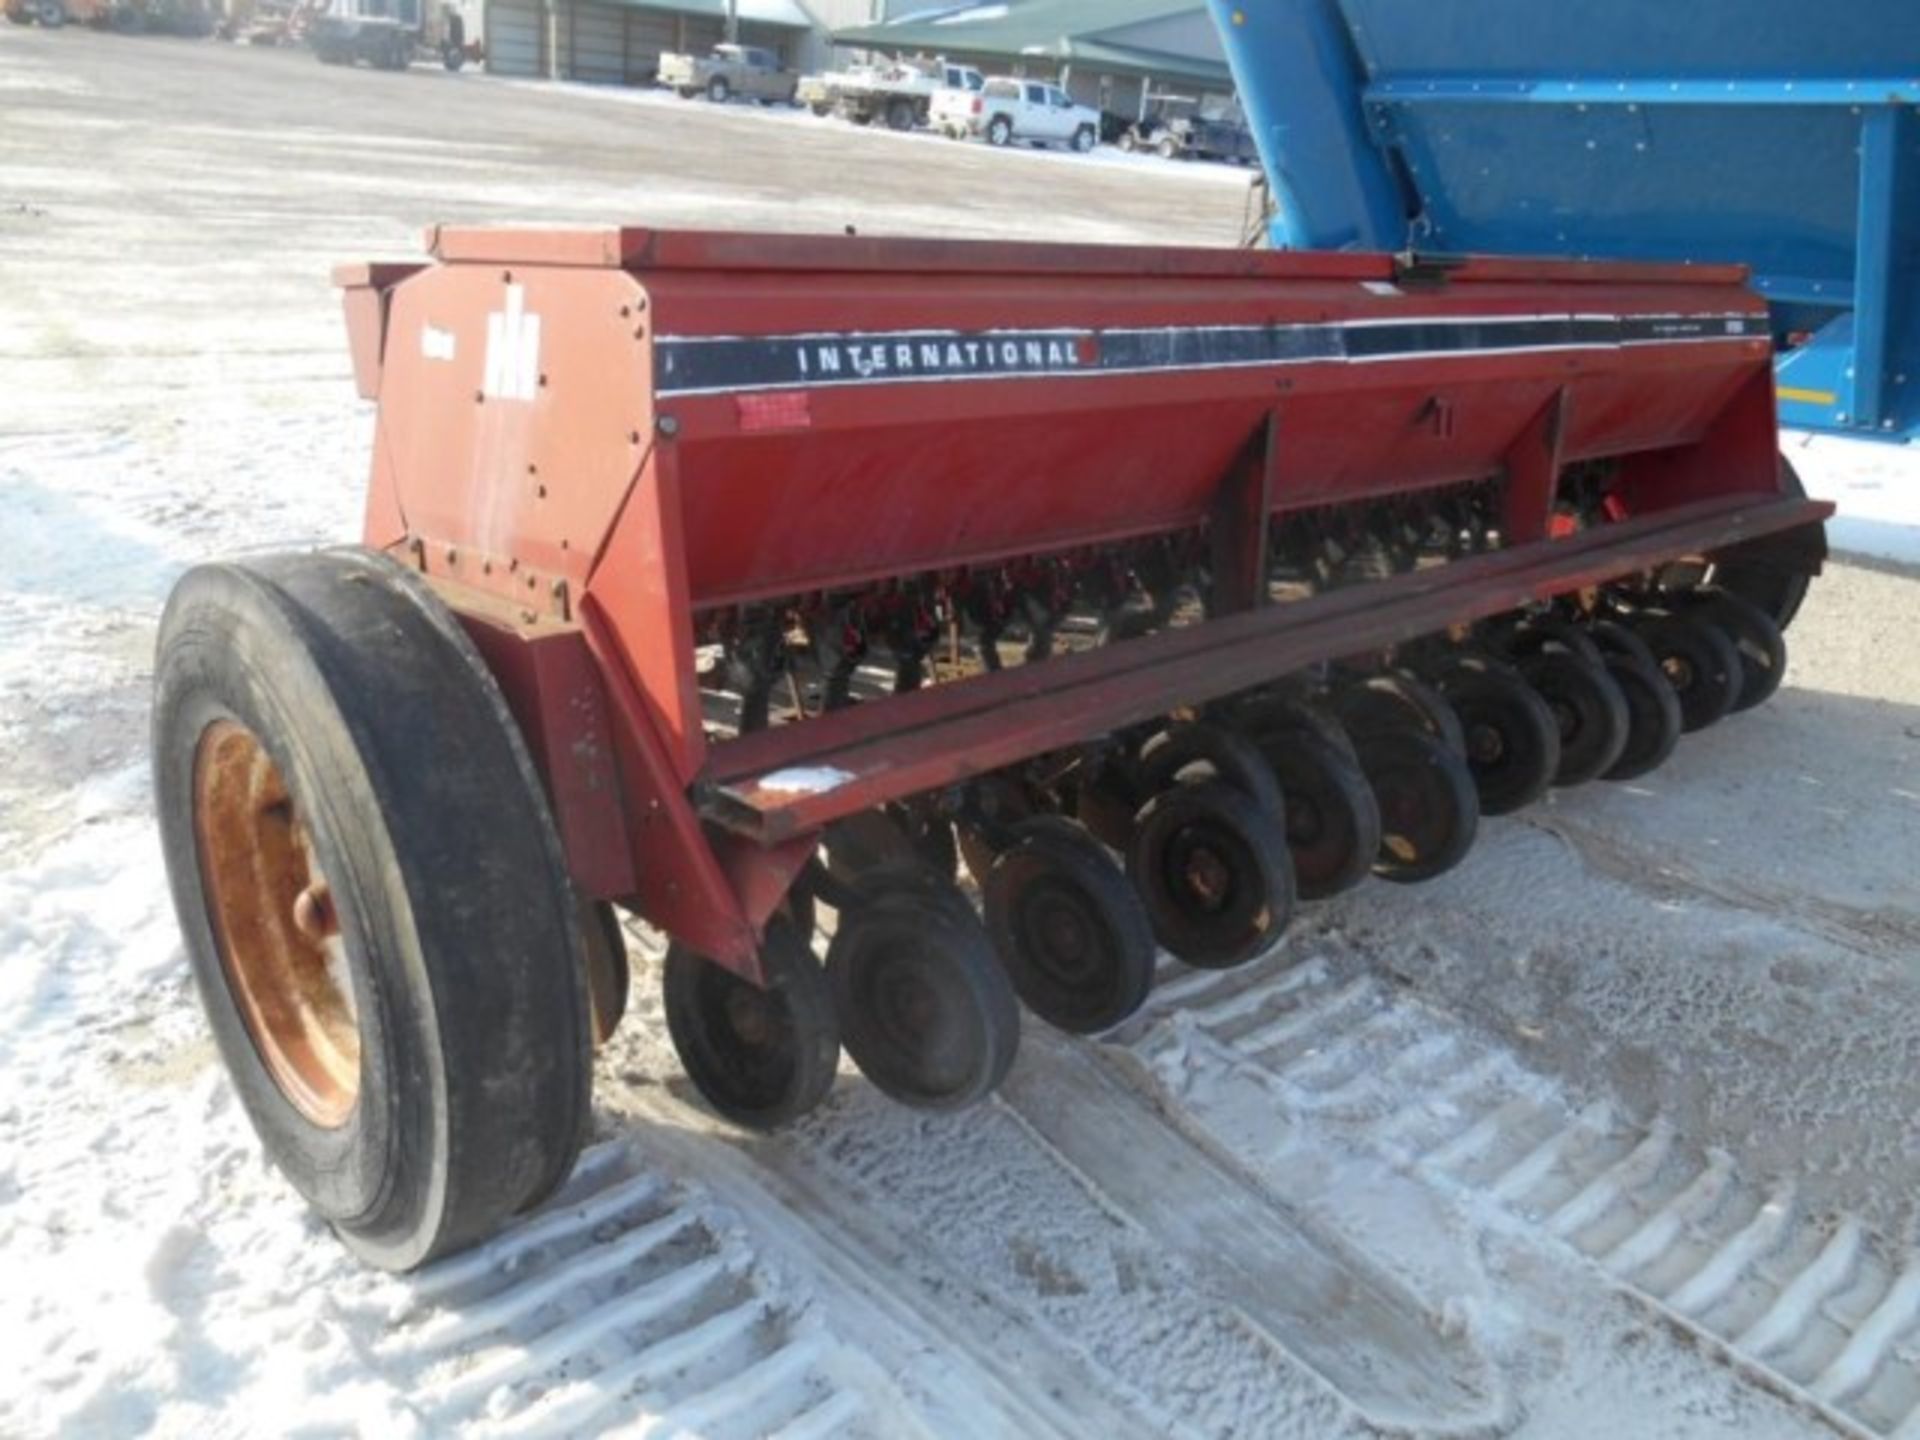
{"type": "Point", "coordinates": [1615, 1121]}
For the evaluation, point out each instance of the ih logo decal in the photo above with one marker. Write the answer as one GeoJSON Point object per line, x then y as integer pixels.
{"type": "Point", "coordinates": [513, 349]}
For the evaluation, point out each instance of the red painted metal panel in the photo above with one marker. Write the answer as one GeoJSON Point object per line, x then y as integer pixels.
{"type": "Point", "coordinates": [552, 684]}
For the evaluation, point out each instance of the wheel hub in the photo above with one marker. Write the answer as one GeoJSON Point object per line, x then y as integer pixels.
{"type": "Point", "coordinates": [275, 924]}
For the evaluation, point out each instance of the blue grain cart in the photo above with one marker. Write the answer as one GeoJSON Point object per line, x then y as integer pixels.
{"type": "Point", "coordinates": [1781, 134]}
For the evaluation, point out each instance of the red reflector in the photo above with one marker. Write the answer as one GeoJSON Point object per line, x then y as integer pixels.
{"type": "Point", "coordinates": [775, 410]}
{"type": "Point", "coordinates": [977, 105]}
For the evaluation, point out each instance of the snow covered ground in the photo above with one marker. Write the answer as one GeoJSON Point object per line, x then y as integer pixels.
{"type": "Point", "coordinates": [1609, 1132]}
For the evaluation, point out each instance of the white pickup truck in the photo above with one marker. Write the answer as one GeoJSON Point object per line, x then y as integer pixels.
{"type": "Point", "coordinates": [1006, 109]}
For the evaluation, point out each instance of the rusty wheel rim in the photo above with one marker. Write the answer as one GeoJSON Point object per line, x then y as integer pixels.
{"type": "Point", "coordinates": [276, 926]}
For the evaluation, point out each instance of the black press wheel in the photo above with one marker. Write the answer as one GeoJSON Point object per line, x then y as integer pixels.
{"type": "Point", "coordinates": [760, 1055]}
{"type": "Point", "coordinates": [1773, 573]}
{"type": "Point", "coordinates": [1756, 639]}
{"type": "Point", "coordinates": [1213, 870]}
{"type": "Point", "coordinates": [1513, 742]}
{"type": "Point", "coordinates": [898, 835]}
{"type": "Point", "coordinates": [1429, 808]}
{"type": "Point", "coordinates": [1072, 933]}
{"type": "Point", "coordinates": [925, 1010]}
{"type": "Point", "coordinates": [373, 898]}
{"type": "Point", "coordinates": [1333, 820]}
{"type": "Point", "coordinates": [1393, 699]}
{"type": "Point", "coordinates": [1198, 750]}
{"type": "Point", "coordinates": [1653, 716]}
{"type": "Point", "coordinates": [1588, 709]}
{"type": "Point", "coordinates": [1697, 658]}
{"type": "Point", "coordinates": [1267, 714]}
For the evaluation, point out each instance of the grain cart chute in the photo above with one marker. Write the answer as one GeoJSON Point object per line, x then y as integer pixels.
{"type": "Point", "coordinates": [724, 577]}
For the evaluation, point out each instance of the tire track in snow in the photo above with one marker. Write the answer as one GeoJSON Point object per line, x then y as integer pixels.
{"type": "Point", "coordinates": [629, 1304]}
{"type": "Point", "coordinates": [1806, 1302]}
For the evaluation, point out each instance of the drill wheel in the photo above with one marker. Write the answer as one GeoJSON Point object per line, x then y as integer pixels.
{"type": "Point", "coordinates": [1588, 709]}
{"type": "Point", "coordinates": [1428, 805]}
{"type": "Point", "coordinates": [1213, 870]}
{"type": "Point", "coordinates": [1333, 820]}
{"type": "Point", "coordinates": [1698, 659]}
{"type": "Point", "coordinates": [1198, 750]}
{"type": "Point", "coordinates": [1072, 933]}
{"type": "Point", "coordinates": [1756, 639]}
{"type": "Point", "coordinates": [1395, 698]}
{"type": "Point", "coordinates": [925, 1009]}
{"type": "Point", "coordinates": [1513, 741]}
{"type": "Point", "coordinates": [760, 1055]}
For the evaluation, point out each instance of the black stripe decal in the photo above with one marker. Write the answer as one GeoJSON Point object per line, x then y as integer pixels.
{"type": "Point", "coordinates": [695, 365]}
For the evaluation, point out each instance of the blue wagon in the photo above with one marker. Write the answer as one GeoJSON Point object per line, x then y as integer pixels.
{"type": "Point", "coordinates": [1772, 132]}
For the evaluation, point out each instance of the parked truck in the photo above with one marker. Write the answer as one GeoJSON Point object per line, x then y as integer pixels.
{"type": "Point", "coordinates": [387, 34]}
{"type": "Point", "coordinates": [900, 94]}
{"type": "Point", "coordinates": [729, 70]}
{"type": "Point", "coordinates": [1007, 109]}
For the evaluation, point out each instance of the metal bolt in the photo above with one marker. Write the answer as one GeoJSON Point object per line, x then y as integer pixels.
{"type": "Point", "coordinates": [668, 425]}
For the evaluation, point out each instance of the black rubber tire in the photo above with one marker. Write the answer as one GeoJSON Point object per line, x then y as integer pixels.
{"type": "Point", "coordinates": [1513, 742]}
{"type": "Point", "coordinates": [1196, 749]}
{"type": "Point", "coordinates": [999, 131]}
{"type": "Point", "coordinates": [1393, 699]}
{"type": "Point", "coordinates": [1756, 639]}
{"type": "Point", "coordinates": [1653, 715]}
{"type": "Point", "coordinates": [917, 937]}
{"type": "Point", "coordinates": [900, 115]}
{"type": "Point", "coordinates": [1248, 844]}
{"type": "Point", "coordinates": [1771, 574]}
{"type": "Point", "coordinates": [1267, 715]}
{"type": "Point", "coordinates": [1697, 658]}
{"type": "Point", "coordinates": [1332, 818]}
{"type": "Point", "coordinates": [1521, 636]}
{"type": "Point", "coordinates": [896, 835]}
{"type": "Point", "coordinates": [1587, 707]}
{"type": "Point", "coordinates": [1429, 807]}
{"type": "Point", "coordinates": [1611, 638]}
{"type": "Point", "coordinates": [1084, 139]}
{"type": "Point", "coordinates": [1057, 883]}
{"type": "Point", "coordinates": [718, 90]}
{"type": "Point", "coordinates": [609, 975]}
{"type": "Point", "coordinates": [459, 923]}
{"type": "Point", "coordinates": [783, 1065]}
